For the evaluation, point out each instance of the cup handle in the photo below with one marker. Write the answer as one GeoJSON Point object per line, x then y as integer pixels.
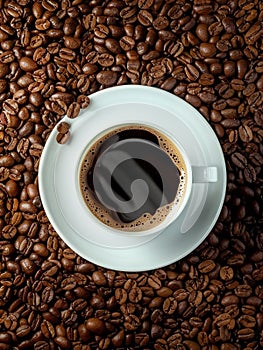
{"type": "Point", "coordinates": [203, 174]}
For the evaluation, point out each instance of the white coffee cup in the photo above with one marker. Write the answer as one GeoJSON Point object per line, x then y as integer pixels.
{"type": "Point", "coordinates": [195, 174]}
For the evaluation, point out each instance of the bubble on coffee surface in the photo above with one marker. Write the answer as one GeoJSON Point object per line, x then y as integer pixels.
{"type": "Point", "coordinates": [116, 146]}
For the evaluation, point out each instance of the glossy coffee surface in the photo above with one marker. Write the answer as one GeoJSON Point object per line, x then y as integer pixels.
{"type": "Point", "coordinates": [132, 177]}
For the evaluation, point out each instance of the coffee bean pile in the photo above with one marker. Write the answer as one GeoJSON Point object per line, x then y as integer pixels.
{"type": "Point", "coordinates": [53, 54]}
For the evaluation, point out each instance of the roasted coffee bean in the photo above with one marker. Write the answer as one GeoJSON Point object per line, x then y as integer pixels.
{"type": "Point", "coordinates": [27, 64]}
{"type": "Point", "coordinates": [63, 138]}
{"type": "Point", "coordinates": [245, 133]}
{"type": "Point", "coordinates": [10, 106]}
{"type": "Point", "coordinates": [99, 278]}
{"type": "Point", "coordinates": [226, 273]}
{"type": "Point", "coordinates": [239, 160]}
{"type": "Point", "coordinates": [206, 266]}
{"type": "Point", "coordinates": [5, 338]}
{"type": "Point", "coordinates": [12, 188]}
{"type": "Point", "coordinates": [154, 282]}
{"type": "Point", "coordinates": [202, 32]}
{"type": "Point", "coordinates": [6, 160]}
{"type": "Point", "coordinates": [121, 295]}
{"type": "Point", "coordinates": [95, 325]}
{"type": "Point", "coordinates": [250, 174]}
{"type": "Point", "coordinates": [7, 57]}
{"type": "Point", "coordinates": [27, 266]}
{"type": "Point", "coordinates": [71, 42]}
{"type": "Point", "coordinates": [63, 342]}
{"type": "Point", "coordinates": [36, 99]}
{"type": "Point", "coordinates": [59, 107]}
{"type": "Point", "coordinates": [127, 43]}
{"type": "Point", "coordinates": [191, 72]}
{"type": "Point", "coordinates": [206, 79]}
{"type": "Point", "coordinates": [107, 78]}
{"type": "Point", "coordinates": [207, 49]}
{"type": "Point", "coordinates": [23, 331]}
{"type": "Point", "coordinates": [106, 60]}
{"type": "Point", "coordinates": [63, 127]}
{"type": "Point", "coordinates": [73, 110]}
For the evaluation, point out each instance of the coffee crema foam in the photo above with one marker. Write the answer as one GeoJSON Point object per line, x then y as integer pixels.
{"type": "Point", "coordinates": [108, 217]}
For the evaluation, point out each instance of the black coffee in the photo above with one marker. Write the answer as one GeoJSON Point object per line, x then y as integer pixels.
{"type": "Point", "coordinates": [131, 177]}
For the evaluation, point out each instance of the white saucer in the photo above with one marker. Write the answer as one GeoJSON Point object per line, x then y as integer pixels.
{"type": "Point", "coordinates": [59, 190]}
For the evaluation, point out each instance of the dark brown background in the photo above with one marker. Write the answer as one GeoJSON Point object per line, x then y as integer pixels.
{"type": "Point", "coordinates": [52, 55]}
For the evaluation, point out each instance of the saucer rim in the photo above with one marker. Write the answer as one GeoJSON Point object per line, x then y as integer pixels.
{"type": "Point", "coordinates": [105, 250]}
